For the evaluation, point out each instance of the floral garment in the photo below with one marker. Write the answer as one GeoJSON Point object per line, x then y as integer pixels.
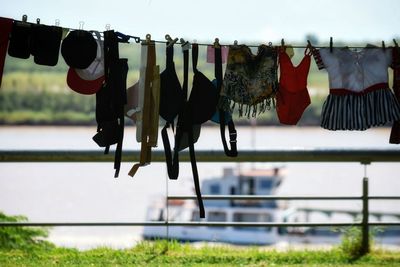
{"type": "Point", "coordinates": [250, 80]}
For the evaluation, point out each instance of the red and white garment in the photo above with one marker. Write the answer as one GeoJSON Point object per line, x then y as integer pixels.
{"type": "Point", "coordinates": [359, 95]}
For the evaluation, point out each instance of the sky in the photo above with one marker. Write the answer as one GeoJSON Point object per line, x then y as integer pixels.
{"type": "Point", "coordinates": [249, 21]}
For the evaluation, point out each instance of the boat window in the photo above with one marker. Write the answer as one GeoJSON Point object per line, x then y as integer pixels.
{"type": "Point", "coordinates": [215, 189]}
{"type": "Point", "coordinates": [265, 184]}
{"type": "Point", "coordinates": [252, 217]}
{"type": "Point", "coordinates": [216, 216]}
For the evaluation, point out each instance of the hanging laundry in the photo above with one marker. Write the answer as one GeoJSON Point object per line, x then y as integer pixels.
{"type": "Point", "coordinates": [89, 80]}
{"type": "Point", "coordinates": [45, 44]}
{"type": "Point", "coordinates": [172, 101]}
{"type": "Point", "coordinates": [5, 30]}
{"type": "Point", "coordinates": [292, 97]}
{"type": "Point", "coordinates": [147, 93]}
{"type": "Point", "coordinates": [20, 40]}
{"type": "Point", "coordinates": [223, 117]}
{"type": "Point", "coordinates": [250, 81]}
{"type": "Point", "coordinates": [198, 109]}
{"type": "Point", "coordinates": [395, 132]}
{"type": "Point", "coordinates": [359, 95]}
{"type": "Point", "coordinates": [79, 49]}
{"type": "Point", "coordinates": [111, 99]}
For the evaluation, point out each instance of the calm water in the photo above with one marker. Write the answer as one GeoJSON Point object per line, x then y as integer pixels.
{"type": "Point", "coordinates": [87, 192]}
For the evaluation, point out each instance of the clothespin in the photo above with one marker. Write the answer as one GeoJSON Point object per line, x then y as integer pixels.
{"type": "Point", "coordinates": [395, 43]}
{"type": "Point", "coordinates": [147, 40]}
{"type": "Point", "coordinates": [216, 43]}
{"type": "Point", "coordinates": [383, 45]}
{"type": "Point", "coordinates": [24, 21]}
{"type": "Point", "coordinates": [331, 44]}
{"type": "Point", "coordinates": [170, 42]}
{"type": "Point", "coordinates": [184, 44]}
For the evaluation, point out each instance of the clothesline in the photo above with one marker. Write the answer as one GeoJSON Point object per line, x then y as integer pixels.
{"type": "Point", "coordinates": [182, 42]}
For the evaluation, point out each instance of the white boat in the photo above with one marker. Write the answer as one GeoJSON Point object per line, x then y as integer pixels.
{"type": "Point", "coordinates": [247, 182]}
{"type": "Point", "coordinates": [251, 182]}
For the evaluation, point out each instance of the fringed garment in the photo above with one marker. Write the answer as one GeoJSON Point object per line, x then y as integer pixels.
{"type": "Point", "coordinates": [250, 81]}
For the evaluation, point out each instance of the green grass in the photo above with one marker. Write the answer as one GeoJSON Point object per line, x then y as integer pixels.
{"type": "Point", "coordinates": [161, 253]}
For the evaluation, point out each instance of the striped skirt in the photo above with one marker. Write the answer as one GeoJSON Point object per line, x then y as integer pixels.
{"type": "Point", "coordinates": [359, 111]}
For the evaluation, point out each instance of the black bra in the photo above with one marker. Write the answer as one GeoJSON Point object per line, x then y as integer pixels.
{"type": "Point", "coordinates": [198, 109]}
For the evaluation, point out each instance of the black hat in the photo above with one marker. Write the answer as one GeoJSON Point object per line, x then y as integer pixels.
{"type": "Point", "coordinates": [79, 49]}
{"type": "Point", "coordinates": [45, 44]}
{"type": "Point", "coordinates": [19, 45]}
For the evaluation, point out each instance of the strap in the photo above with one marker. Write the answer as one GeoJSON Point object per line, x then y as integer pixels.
{"type": "Point", "coordinates": [195, 56]}
{"type": "Point", "coordinates": [120, 101]}
{"type": "Point", "coordinates": [170, 56]}
{"type": "Point", "coordinates": [145, 150]}
{"type": "Point", "coordinates": [195, 172]}
{"type": "Point", "coordinates": [232, 135]}
{"type": "Point", "coordinates": [172, 165]}
{"type": "Point", "coordinates": [231, 126]}
{"type": "Point", "coordinates": [115, 71]}
{"type": "Point", "coordinates": [218, 68]}
{"type": "Point", "coordinates": [185, 73]}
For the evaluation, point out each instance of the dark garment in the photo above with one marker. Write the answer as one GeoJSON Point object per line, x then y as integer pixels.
{"type": "Point", "coordinates": [111, 99]}
{"type": "Point", "coordinates": [45, 44]}
{"type": "Point", "coordinates": [395, 133]}
{"type": "Point", "coordinates": [20, 40]}
{"type": "Point", "coordinates": [6, 27]}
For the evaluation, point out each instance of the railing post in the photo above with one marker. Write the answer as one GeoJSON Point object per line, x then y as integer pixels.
{"type": "Point", "coordinates": [365, 215]}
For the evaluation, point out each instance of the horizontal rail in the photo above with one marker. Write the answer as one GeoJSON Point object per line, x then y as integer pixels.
{"type": "Point", "coordinates": [272, 197]}
{"type": "Point", "coordinates": [196, 224]}
{"type": "Point", "coordinates": [364, 156]}
{"type": "Point", "coordinates": [260, 197]}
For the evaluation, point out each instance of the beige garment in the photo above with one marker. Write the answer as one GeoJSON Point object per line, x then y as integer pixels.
{"type": "Point", "coordinates": [148, 102]}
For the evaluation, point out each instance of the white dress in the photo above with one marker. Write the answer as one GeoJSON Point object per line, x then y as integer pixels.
{"type": "Point", "coordinates": [359, 95]}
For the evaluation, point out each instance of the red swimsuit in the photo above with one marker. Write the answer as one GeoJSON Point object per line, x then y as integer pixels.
{"type": "Point", "coordinates": [292, 97]}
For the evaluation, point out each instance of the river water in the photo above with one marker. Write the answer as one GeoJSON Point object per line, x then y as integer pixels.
{"type": "Point", "coordinates": [87, 192]}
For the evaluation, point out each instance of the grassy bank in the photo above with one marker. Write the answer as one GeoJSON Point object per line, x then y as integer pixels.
{"type": "Point", "coordinates": [161, 253]}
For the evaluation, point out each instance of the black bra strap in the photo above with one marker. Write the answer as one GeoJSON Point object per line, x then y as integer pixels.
{"type": "Point", "coordinates": [231, 126]}
{"type": "Point", "coordinates": [185, 74]}
{"type": "Point", "coordinates": [173, 161]}
{"type": "Point", "coordinates": [218, 68]}
{"type": "Point", "coordinates": [195, 172]}
{"type": "Point", "coordinates": [170, 56]}
{"type": "Point", "coordinates": [232, 135]}
{"type": "Point", "coordinates": [172, 164]}
{"type": "Point", "coordinates": [195, 56]}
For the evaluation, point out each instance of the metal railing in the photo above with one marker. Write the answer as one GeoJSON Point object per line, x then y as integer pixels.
{"type": "Point", "coordinates": [363, 156]}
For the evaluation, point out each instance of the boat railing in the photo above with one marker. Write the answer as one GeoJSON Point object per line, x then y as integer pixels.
{"type": "Point", "coordinates": [363, 156]}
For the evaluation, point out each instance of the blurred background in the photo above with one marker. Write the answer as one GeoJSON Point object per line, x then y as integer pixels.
{"type": "Point", "coordinates": [38, 111]}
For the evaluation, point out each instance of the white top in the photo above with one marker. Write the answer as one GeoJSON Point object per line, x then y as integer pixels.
{"type": "Point", "coordinates": [356, 70]}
